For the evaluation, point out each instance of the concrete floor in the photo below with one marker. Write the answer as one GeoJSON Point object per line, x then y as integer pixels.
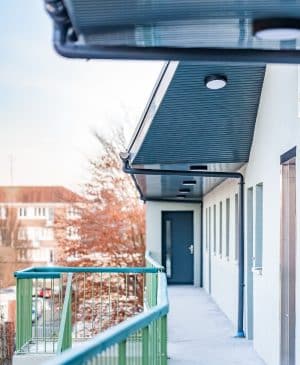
{"type": "Point", "coordinates": [200, 334]}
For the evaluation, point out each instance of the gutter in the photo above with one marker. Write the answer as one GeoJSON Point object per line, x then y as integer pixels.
{"type": "Point", "coordinates": [241, 264]}
{"type": "Point", "coordinates": [66, 44]}
{"type": "Point", "coordinates": [246, 56]}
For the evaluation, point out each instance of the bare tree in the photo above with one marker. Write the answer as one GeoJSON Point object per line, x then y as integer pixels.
{"type": "Point", "coordinates": [109, 224]}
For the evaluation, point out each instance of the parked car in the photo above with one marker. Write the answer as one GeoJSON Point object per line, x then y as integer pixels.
{"type": "Point", "coordinates": [44, 293]}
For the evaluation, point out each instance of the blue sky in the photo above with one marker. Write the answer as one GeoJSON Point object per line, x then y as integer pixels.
{"type": "Point", "coordinates": [48, 104]}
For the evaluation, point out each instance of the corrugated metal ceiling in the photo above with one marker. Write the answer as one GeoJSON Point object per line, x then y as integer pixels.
{"type": "Point", "coordinates": [195, 125]}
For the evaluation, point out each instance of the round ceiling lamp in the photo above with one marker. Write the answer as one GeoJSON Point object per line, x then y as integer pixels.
{"type": "Point", "coordinates": [215, 82]}
{"type": "Point", "coordinates": [189, 182]}
{"type": "Point", "coordinates": [276, 29]}
{"type": "Point", "coordinates": [184, 190]}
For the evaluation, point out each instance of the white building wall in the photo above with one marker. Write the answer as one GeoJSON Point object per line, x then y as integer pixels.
{"type": "Point", "coordinates": [277, 131]}
{"type": "Point", "coordinates": [224, 270]}
{"type": "Point", "coordinates": [154, 233]}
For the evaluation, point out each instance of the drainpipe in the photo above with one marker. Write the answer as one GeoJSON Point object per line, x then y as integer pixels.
{"type": "Point", "coordinates": [201, 244]}
{"type": "Point", "coordinates": [222, 174]}
{"type": "Point", "coordinates": [240, 330]}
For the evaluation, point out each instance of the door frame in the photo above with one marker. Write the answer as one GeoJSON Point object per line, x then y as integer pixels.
{"type": "Point", "coordinates": [288, 250]}
{"type": "Point", "coordinates": [163, 245]}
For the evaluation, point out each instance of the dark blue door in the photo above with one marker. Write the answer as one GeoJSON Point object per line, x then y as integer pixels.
{"type": "Point", "coordinates": [178, 246]}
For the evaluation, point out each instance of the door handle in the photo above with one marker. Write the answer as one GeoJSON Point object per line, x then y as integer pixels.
{"type": "Point", "coordinates": [191, 248]}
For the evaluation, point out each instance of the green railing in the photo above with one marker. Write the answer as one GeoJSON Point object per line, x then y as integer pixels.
{"type": "Point", "coordinates": [81, 303]}
{"type": "Point", "coordinates": [40, 299]}
{"type": "Point", "coordinates": [65, 331]}
{"type": "Point", "coordinates": [140, 340]}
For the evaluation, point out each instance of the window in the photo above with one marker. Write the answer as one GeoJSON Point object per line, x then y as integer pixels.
{"type": "Point", "coordinates": [40, 212]}
{"type": "Point", "coordinates": [258, 226]}
{"type": "Point", "coordinates": [221, 229]}
{"type": "Point", "coordinates": [50, 215]}
{"type": "Point", "coordinates": [22, 233]}
{"type": "Point", "coordinates": [48, 234]}
{"type": "Point", "coordinates": [73, 212]}
{"type": "Point", "coordinates": [227, 227]}
{"type": "Point", "coordinates": [3, 212]}
{"type": "Point", "coordinates": [22, 212]}
{"type": "Point", "coordinates": [215, 229]}
{"type": "Point", "coordinates": [209, 230]}
{"type": "Point", "coordinates": [236, 214]}
{"type": "Point", "coordinates": [22, 254]}
{"type": "Point", "coordinates": [206, 228]}
{"type": "Point", "coordinates": [72, 233]}
{"type": "Point", "coordinates": [51, 255]}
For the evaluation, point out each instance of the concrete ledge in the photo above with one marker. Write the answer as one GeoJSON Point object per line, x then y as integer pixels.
{"type": "Point", "coordinates": [31, 359]}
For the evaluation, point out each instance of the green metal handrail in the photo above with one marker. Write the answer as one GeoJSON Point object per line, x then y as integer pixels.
{"type": "Point", "coordinates": [151, 281]}
{"type": "Point", "coordinates": [65, 330]}
{"type": "Point", "coordinates": [118, 297]}
{"type": "Point", "coordinates": [36, 331]}
{"type": "Point", "coordinates": [148, 330]}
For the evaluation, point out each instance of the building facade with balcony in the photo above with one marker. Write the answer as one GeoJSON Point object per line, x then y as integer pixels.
{"type": "Point", "coordinates": [27, 224]}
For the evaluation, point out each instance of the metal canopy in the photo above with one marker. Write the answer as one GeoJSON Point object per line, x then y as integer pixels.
{"type": "Point", "coordinates": [172, 29]}
{"type": "Point", "coordinates": [187, 124]}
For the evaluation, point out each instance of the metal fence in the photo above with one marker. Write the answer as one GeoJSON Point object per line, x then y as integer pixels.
{"type": "Point", "coordinates": [139, 340]}
{"type": "Point", "coordinates": [59, 305]}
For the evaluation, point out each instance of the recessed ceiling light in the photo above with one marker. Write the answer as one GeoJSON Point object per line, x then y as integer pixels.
{"type": "Point", "coordinates": [198, 167]}
{"type": "Point", "coordinates": [181, 196]}
{"type": "Point", "coordinates": [189, 182]}
{"type": "Point", "coordinates": [215, 82]}
{"type": "Point", "coordinates": [184, 190]}
{"type": "Point", "coordinates": [276, 29]}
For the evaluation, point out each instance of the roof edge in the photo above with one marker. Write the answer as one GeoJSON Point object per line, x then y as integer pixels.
{"type": "Point", "coordinates": [160, 88]}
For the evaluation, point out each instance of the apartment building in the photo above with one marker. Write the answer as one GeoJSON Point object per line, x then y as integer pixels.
{"type": "Point", "coordinates": [27, 217]}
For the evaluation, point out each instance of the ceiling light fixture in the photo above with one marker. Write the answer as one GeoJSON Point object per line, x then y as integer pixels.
{"type": "Point", "coordinates": [184, 190]}
{"type": "Point", "coordinates": [181, 196]}
{"type": "Point", "coordinates": [198, 167]}
{"type": "Point", "coordinates": [189, 182]}
{"type": "Point", "coordinates": [215, 82]}
{"type": "Point", "coordinates": [276, 29]}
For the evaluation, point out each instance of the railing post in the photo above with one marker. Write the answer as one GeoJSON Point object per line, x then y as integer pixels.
{"type": "Point", "coordinates": [65, 331]}
{"type": "Point", "coordinates": [164, 340]}
{"type": "Point", "coordinates": [24, 312]}
{"type": "Point", "coordinates": [145, 346]}
{"type": "Point", "coordinates": [122, 353]}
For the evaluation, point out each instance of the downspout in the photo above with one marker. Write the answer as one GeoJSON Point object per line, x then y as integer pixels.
{"type": "Point", "coordinates": [240, 326]}
{"type": "Point", "coordinates": [201, 244]}
{"type": "Point", "coordinates": [235, 175]}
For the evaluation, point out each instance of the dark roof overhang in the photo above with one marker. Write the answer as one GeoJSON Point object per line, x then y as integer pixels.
{"type": "Point", "coordinates": [210, 31]}
{"type": "Point", "coordinates": [186, 126]}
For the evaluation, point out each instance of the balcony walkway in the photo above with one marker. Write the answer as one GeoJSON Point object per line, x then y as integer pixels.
{"type": "Point", "coordinates": [200, 334]}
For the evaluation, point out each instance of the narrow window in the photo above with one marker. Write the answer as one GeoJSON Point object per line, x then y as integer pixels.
{"type": "Point", "coordinates": [259, 226]}
{"type": "Point", "coordinates": [51, 255]}
{"type": "Point", "coordinates": [236, 214]}
{"type": "Point", "coordinates": [206, 230]}
{"type": "Point", "coordinates": [221, 229]}
{"type": "Point", "coordinates": [215, 229]}
{"type": "Point", "coordinates": [22, 212]}
{"type": "Point", "coordinates": [209, 230]}
{"type": "Point", "coordinates": [227, 226]}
